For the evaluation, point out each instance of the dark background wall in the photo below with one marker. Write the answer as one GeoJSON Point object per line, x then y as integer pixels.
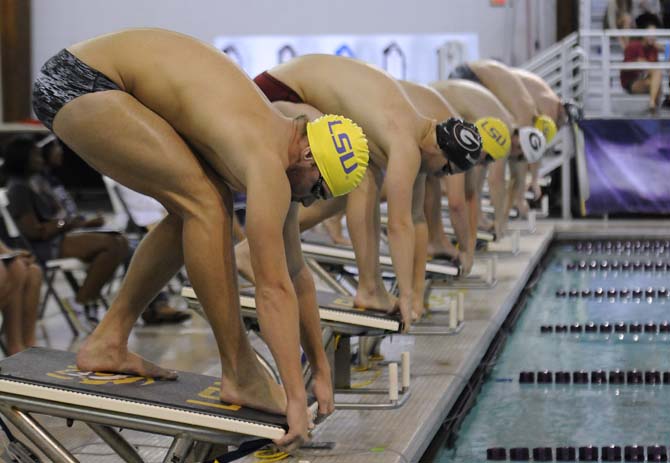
{"type": "Point", "coordinates": [16, 58]}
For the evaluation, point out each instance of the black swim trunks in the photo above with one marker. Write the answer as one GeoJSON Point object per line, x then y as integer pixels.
{"type": "Point", "coordinates": [63, 78]}
{"type": "Point", "coordinates": [463, 71]}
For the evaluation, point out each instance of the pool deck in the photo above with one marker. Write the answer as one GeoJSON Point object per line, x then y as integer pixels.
{"type": "Point", "coordinates": [440, 364]}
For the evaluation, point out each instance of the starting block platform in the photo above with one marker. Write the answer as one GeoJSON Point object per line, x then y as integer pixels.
{"type": "Point", "coordinates": [335, 311]}
{"type": "Point", "coordinates": [48, 382]}
{"type": "Point", "coordinates": [344, 256]}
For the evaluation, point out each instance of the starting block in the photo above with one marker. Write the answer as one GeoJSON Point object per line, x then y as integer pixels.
{"type": "Point", "coordinates": [510, 245]}
{"type": "Point", "coordinates": [340, 321]}
{"type": "Point", "coordinates": [456, 320]}
{"type": "Point", "coordinates": [46, 381]}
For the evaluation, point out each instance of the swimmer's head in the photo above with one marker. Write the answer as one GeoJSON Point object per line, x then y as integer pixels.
{"type": "Point", "coordinates": [547, 126]}
{"type": "Point", "coordinates": [532, 143]}
{"type": "Point", "coordinates": [461, 146]}
{"type": "Point", "coordinates": [496, 139]}
{"type": "Point", "coordinates": [340, 150]}
{"type": "Point", "coordinates": [572, 111]}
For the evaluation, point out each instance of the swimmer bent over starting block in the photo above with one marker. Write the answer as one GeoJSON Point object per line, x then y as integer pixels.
{"type": "Point", "coordinates": [175, 119]}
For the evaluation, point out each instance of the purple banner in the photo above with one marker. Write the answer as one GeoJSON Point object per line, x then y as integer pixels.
{"type": "Point", "coordinates": [628, 164]}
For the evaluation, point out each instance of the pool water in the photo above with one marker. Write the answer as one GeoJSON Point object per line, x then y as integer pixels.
{"type": "Point", "coordinates": [510, 414]}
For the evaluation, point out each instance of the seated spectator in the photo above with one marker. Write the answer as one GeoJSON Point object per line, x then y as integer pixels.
{"type": "Point", "coordinates": [48, 183]}
{"type": "Point", "coordinates": [20, 283]}
{"type": "Point", "coordinates": [146, 212]}
{"type": "Point", "coordinates": [640, 81]}
{"type": "Point", "coordinates": [47, 227]}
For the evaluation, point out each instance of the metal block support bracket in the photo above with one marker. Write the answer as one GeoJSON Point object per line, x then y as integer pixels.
{"type": "Point", "coordinates": [396, 396]}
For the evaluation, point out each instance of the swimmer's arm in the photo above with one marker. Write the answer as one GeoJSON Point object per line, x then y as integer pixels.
{"type": "Point", "coordinates": [496, 181]}
{"type": "Point", "coordinates": [523, 106]}
{"type": "Point", "coordinates": [458, 213]}
{"type": "Point", "coordinates": [472, 208]}
{"type": "Point", "coordinates": [534, 169]}
{"type": "Point", "coordinates": [310, 323]}
{"type": "Point", "coordinates": [518, 99]}
{"type": "Point", "coordinates": [402, 170]}
{"type": "Point", "coordinates": [268, 197]}
{"type": "Point", "coordinates": [420, 238]}
{"type": "Point", "coordinates": [515, 169]}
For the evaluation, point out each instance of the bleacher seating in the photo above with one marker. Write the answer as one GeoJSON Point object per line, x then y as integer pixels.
{"type": "Point", "coordinates": [621, 103]}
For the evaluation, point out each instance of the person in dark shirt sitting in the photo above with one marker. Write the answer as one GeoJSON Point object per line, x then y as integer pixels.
{"type": "Point", "coordinates": [50, 184]}
{"type": "Point", "coordinates": [159, 309]}
{"type": "Point", "coordinates": [46, 226]}
{"type": "Point", "coordinates": [645, 49]}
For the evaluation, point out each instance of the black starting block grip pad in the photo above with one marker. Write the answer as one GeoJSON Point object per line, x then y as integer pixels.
{"type": "Point", "coordinates": [52, 375]}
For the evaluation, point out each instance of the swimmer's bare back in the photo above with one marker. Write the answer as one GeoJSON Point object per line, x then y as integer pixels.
{"type": "Point", "coordinates": [364, 93]}
{"type": "Point", "coordinates": [472, 100]}
{"type": "Point", "coordinates": [176, 76]}
{"type": "Point", "coordinates": [508, 88]}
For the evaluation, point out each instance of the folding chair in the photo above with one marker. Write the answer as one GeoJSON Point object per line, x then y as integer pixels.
{"type": "Point", "coordinates": [51, 268]}
{"type": "Point", "coordinates": [122, 217]}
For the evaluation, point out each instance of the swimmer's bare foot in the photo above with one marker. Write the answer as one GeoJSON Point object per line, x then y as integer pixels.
{"type": "Point", "coordinates": [523, 209]}
{"type": "Point", "coordinates": [379, 300]}
{"type": "Point", "coordinates": [404, 307]}
{"type": "Point", "coordinates": [340, 240]}
{"type": "Point", "coordinates": [243, 261]}
{"type": "Point", "coordinates": [254, 388]}
{"type": "Point", "coordinates": [418, 308]}
{"type": "Point", "coordinates": [333, 226]}
{"type": "Point", "coordinates": [101, 355]}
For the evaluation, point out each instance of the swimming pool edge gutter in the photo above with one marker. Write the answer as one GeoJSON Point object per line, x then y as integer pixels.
{"type": "Point", "coordinates": [470, 364]}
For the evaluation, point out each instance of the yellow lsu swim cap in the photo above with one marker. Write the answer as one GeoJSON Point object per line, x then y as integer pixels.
{"type": "Point", "coordinates": [340, 150]}
{"type": "Point", "coordinates": [547, 126]}
{"type": "Point", "coordinates": [495, 136]}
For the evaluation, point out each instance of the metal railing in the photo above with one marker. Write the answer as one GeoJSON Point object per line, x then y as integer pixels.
{"type": "Point", "coordinates": [562, 67]}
